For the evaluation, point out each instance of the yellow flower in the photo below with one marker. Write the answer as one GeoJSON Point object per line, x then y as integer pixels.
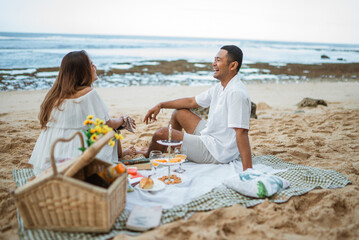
{"type": "Point", "coordinates": [106, 129]}
{"type": "Point", "coordinates": [99, 129]}
{"type": "Point", "coordinates": [118, 136]}
{"type": "Point", "coordinates": [111, 143]}
{"type": "Point", "coordinates": [94, 137]}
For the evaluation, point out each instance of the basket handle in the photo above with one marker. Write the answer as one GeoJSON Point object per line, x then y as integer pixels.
{"type": "Point", "coordinates": [53, 163]}
{"type": "Point", "coordinates": [89, 154]}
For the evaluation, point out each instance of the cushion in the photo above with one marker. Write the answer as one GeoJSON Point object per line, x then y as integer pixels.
{"type": "Point", "coordinates": [257, 184]}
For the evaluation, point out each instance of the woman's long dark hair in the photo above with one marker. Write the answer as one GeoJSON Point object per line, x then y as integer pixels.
{"type": "Point", "coordinates": [75, 74]}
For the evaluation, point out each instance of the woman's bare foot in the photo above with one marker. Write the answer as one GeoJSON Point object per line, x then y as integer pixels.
{"type": "Point", "coordinates": [129, 151]}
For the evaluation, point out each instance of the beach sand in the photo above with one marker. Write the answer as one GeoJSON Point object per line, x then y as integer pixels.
{"type": "Point", "coordinates": [324, 137]}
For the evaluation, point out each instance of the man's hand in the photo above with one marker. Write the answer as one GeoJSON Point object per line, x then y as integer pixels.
{"type": "Point", "coordinates": [189, 102]}
{"type": "Point", "coordinates": [152, 114]}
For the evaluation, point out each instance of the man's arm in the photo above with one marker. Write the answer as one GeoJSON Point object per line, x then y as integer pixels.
{"type": "Point", "coordinates": [174, 104]}
{"type": "Point", "coordinates": [244, 147]}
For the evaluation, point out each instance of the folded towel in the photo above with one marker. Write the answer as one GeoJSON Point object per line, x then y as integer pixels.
{"type": "Point", "coordinates": [136, 161]}
{"type": "Point", "coordinates": [254, 183]}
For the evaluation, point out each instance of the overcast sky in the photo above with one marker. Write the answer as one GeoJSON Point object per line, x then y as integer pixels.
{"type": "Point", "coordinates": [334, 21]}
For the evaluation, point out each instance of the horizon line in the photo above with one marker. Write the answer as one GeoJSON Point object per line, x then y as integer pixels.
{"type": "Point", "coordinates": [196, 37]}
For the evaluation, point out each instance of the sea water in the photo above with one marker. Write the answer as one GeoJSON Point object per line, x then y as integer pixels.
{"type": "Point", "coordinates": [22, 53]}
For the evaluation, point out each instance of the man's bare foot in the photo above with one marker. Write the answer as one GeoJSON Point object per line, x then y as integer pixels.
{"type": "Point", "coordinates": [142, 151]}
{"type": "Point", "coordinates": [129, 151]}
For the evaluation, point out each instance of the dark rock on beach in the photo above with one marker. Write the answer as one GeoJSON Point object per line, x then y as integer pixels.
{"type": "Point", "coordinates": [203, 112]}
{"type": "Point", "coordinates": [164, 67]}
{"type": "Point", "coordinates": [253, 110]}
{"type": "Point", "coordinates": [310, 102]}
{"type": "Point", "coordinates": [154, 72]}
{"type": "Point", "coordinates": [312, 72]}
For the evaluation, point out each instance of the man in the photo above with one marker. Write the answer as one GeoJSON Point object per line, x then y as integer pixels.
{"type": "Point", "coordinates": [224, 135]}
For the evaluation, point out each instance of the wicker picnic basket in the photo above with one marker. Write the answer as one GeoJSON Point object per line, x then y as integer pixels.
{"type": "Point", "coordinates": [59, 199]}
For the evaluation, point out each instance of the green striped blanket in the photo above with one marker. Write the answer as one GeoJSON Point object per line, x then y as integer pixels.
{"type": "Point", "coordinates": [302, 179]}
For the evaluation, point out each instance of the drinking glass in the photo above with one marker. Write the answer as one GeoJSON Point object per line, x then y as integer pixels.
{"type": "Point", "coordinates": [179, 154]}
{"type": "Point", "coordinates": [155, 154]}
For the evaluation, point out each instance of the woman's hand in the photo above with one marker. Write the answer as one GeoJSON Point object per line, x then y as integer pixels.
{"type": "Point", "coordinates": [129, 123]}
{"type": "Point", "coordinates": [122, 122]}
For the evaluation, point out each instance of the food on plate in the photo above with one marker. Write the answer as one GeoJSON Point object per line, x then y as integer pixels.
{"type": "Point", "coordinates": [161, 160]}
{"type": "Point", "coordinates": [175, 160]}
{"type": "Point", "coordinates": [136, 175]}
{"type": "Point", "coordinates": [132, 170]}
{"type": "Point", "coordinates": [182, 156]}
{"type": "Point", "coordinates": [172, 180]}
{"type": "Point", "coordinates": [146, 183]}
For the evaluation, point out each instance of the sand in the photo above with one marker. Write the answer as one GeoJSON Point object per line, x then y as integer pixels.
{"type": "Point", "coordinates": [325, 137]}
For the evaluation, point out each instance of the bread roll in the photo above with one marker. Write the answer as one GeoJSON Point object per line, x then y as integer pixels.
{"type": "Point", "coordinates": [146, 183]}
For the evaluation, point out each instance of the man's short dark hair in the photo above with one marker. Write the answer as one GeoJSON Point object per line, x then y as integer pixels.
{"type": "Point", "coordinates": [234, 54]}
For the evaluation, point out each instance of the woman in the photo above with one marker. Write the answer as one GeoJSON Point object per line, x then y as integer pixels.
{"type": "Point", "coordinates": [64, 109]}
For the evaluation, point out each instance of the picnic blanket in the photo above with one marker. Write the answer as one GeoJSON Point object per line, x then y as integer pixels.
{"type": "Point", "coordinates": [302, 179]}
{"type": "Point", "coordinates": [197, 180]}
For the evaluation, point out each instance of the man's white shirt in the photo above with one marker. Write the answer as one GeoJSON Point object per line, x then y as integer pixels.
{"type": "Point", "coordinates": [229, 108]}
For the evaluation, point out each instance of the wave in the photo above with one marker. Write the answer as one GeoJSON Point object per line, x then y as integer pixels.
{"type": "Point", "coordinates": [114, 41]}
{"type": "Point", "coordinates": [27, 50]}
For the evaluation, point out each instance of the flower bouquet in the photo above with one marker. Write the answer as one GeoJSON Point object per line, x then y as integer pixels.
{"type": "Point", "coordinates": [95, 130]}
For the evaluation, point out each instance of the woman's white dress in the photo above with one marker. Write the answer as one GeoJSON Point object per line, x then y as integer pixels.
{"type": "Point", "coordinates": [63, 123]}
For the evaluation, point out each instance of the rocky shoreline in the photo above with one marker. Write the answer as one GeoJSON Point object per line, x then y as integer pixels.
{"type": "Point", "coordinates": [183, 72]}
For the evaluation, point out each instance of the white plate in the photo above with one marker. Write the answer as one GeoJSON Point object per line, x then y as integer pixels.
{"type": "Point", "coordinates": [157, 186]}
{"type": "Point", "coordinates": [167, 143]}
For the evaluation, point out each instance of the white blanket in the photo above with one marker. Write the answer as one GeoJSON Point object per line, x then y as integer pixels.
{"type": "Point", "coordinates": [196, 181]}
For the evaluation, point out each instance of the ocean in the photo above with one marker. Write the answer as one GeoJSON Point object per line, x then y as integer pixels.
{"type": "Point", "coordinates": [22, 54]}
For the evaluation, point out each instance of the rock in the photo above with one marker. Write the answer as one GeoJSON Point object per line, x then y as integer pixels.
{"type": "Point", "coordinates": [356, 166]}
{"type": "Point", "coordinates": [253, 110]}
{"type": "Point", "coordinates": [310, 102]}
{"type": "Point", "coordinates": [263, 106]}
{"type": "Point", "coordinates": [325, 57]}
{"type": "Point", "coordinates": [203, 112]}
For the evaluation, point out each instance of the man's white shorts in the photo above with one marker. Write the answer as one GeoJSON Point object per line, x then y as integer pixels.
{"type": "Point", "coordinates": [194, 148]}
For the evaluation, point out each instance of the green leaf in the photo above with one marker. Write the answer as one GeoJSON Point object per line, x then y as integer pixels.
{"type": "Point", "coordinates": [89, 142]}
{"type": "Point", "coordinates": [82, 149]}
{"type": "Point", "coordinates": [262, 190]}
